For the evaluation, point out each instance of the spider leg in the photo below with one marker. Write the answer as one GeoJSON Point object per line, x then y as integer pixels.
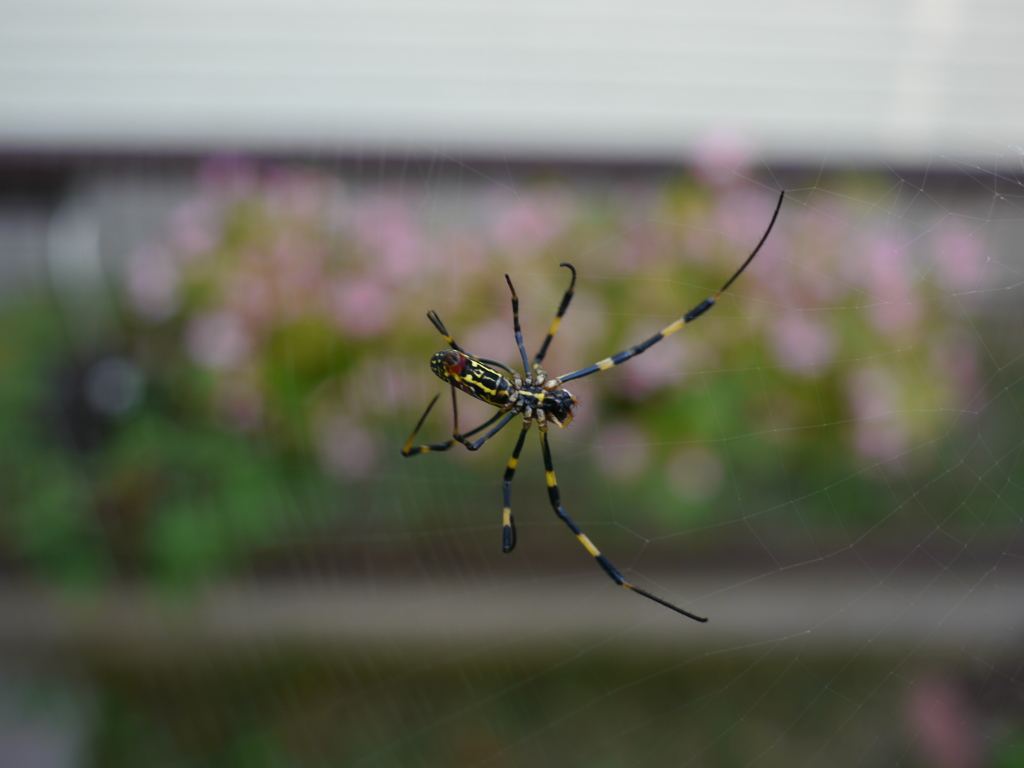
{"type": "Point", "coordinates": [519, 331]}
{"type": "Point", "coordinates": [558, 319]}
{"type": "Point", "coordinates": [603, 561]}
{"type": "Point", "coordinates": [508, 533]}
{"type": "Point", "coordinates": [476, 445]}
{"type": "Point", "coordinates": [410, 450]}
{"type": "Point", "coordinates": [693, 314]}
{"type": "Point", "coordinates": [432, 316]}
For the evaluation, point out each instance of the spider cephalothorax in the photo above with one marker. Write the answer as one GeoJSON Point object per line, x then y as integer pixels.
{"type": "Point", "coordinates": [538, 398]}
{"type": "Point", "coordinates": [557, 405]}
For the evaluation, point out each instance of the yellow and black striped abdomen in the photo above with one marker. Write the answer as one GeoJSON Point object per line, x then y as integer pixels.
{"type": "Point", "coordinates": [472, 377]}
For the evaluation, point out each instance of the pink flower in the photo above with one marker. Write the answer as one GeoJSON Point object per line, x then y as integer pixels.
{"type": "Point", "coordinates": [624, 452]}
{"type": "Point", "coordinates": [895, 316]}
{"type": "Point", "coordinates": [880, 430]}
{"type": "Point", "coordinates": [881, 439]}
{"type": "Point", "coordinates": [385, 226]}
{"type": "Point", "coordinates": [459, 256]}
{"type": "Point", "coordinates": [806, 252]}
{"type": "Point", "coordinates": [193, 228]}
{"type": "Point", "coordinates": [152, 278]}
{"type": "Point", "coordinates": [218, 340]}
{"type": "Point", "coordinates": [299, 274]}
{"type": "Point", "coordinates": [494, 339]}
{"type": "Point", "coordinates": [801, 344]}
{"type": "Point", "coordinates": [534, 219]}
{"type": "Point", "coordinates": [362, 307]}
{"type": "Point", "coordinates": [345, 448]}
{"type": "Point", "coordinates": [722, 157]}
{"type": "Point", "coordinates": [961, 256]}
{"type": "Point", "coordinates": [887, 275]}
{"type": "Point", "coordinates": [742, 216]}
{"type": "Point", "coordinates": [883, 268]}
{"type": "Point", "coordinates": [944, 724]}
{"type": "Point", "coordinates": [642, 247]}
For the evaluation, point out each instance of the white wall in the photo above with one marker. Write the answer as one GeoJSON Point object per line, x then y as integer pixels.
{"type": "Point", "coordinates": [884, 81]}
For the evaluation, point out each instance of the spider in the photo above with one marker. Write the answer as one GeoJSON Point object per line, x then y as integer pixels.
{"type": "Point", "coordinates": [534, 396]}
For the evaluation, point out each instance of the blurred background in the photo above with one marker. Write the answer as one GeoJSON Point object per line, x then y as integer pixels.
{"type": "Point", "coordinates": [221, 227]}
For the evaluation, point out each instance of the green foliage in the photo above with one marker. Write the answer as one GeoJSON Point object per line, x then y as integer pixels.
{"type": "Point", "coordinates": [279, 330]}
{"type": "Point", "coordinates": [164, 493]}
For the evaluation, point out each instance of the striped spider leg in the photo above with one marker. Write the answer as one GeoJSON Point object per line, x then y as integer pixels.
{"type": "Point", "coordinates": [689, 317]}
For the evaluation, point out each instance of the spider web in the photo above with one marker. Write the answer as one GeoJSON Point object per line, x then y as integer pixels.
{"type": "Point", "coordinates": [882, 639]}
{"type": "Point", "coordinates": [843, 499]}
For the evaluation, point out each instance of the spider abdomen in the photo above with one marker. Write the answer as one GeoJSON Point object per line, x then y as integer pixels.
{"type": "Point", "coordinates": [473, 377]}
